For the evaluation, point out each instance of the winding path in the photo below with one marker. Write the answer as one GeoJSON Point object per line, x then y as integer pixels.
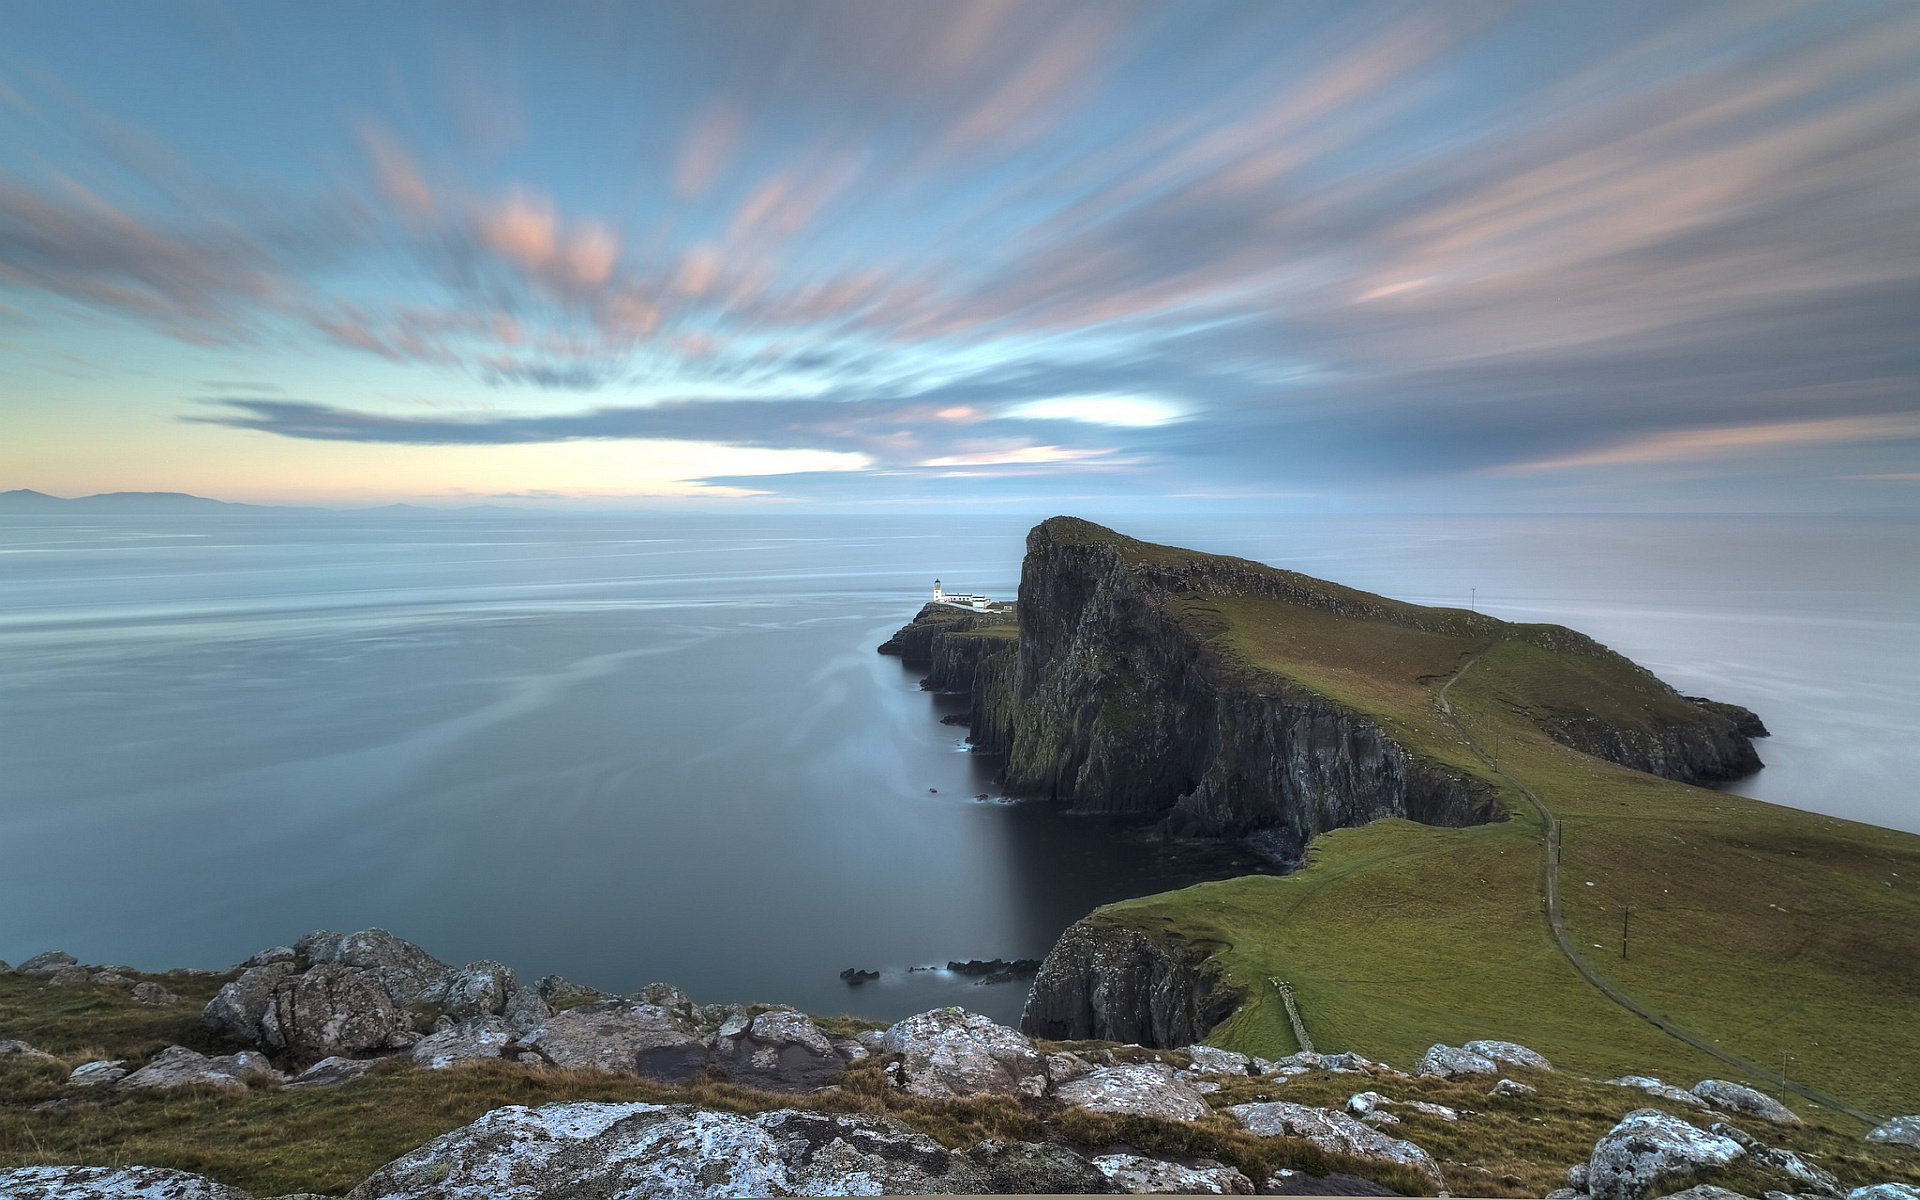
{"type": "Point", "coordinates": [1556, 920]}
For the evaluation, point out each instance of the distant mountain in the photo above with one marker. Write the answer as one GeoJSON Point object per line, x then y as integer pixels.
{"type": "Point", "coordinates": [25, 500]}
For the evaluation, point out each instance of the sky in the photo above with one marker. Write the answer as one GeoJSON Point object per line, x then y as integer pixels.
{"type": "Point", "coordinates": [1323, 257]}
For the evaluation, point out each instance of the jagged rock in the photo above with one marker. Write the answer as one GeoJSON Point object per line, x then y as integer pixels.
{"type": "Point", "coordinates": [666, 996]}
{"type": "Point", "coordinates": [1136, 1176]}
{"type": "Point", "coordinates": [1349, 1063]}
{"type": "Point", "coordinates": [237, 1009]}
{"type": "Point", "coordinates": [1104, 980]}
{"type": "Point", "coordinates": [849, 1049]}
{"type": "Point", "coordinates": [248, 1066]}
{"type": "Point", "coordinates": [101, 1073]}
{"type": "Point", "coordinates": [526, 1010]}
{"type": "Point", "coordinates": [478, 1039]}
{"type": "Point", "coordinates": [1214, 1061]}
{"type": "Point", "coordinates": [333, 1009]}
{"type": "Point", "coordinates": [178, 1067]}
{"type": "Point", "coordinates": [830, 1154]}
{"type": "Point", "coordinates": [622, 1037]}
{"type": "Point", "coordinates": [587, 1149]}
{"type": "Point", "coordinates": [6, 968]}
{"type": "Point", "coordinates": [66, 976]}
{"type": "Point", "coordinates": [46, 962]}
{"type": "Point", "coordinates": [1066, 1065]}
{"type": "Point", "coordinates": [1647, 1146]}
{"type": "Point", "coordinates": [273, 954]}
{"type": "Point", "coordinates": [18, 1050]}
{"type": "Point", "coordinates": [1577, 1177]}
{"type": "Point", "coordinates": [779, 1051]}
{"type": "Point", "coordinates": [112, 1183]}
{"type": "Point", "coordinates": [1782, 1162]}
{"type": "Point", "coordinates": [1034, 1169]}
{"type": "Point", "coordinates": [148, 992]}
{"type": "Point", "coordinates": [1380, 1119]}
{"type": "Point", "coordinates": [1144, 1089]}
{"type": "Point", "coordinates": [332, 1072]}
{"type": "Point", "coordinates": [1287, 1182]}
{"type": "Point", "coordinates": [1900, 1131]}
{"type": "Point", "coordinates": [1451, 1062]}
{"type": "Point", "coordinates": [1706, 1191]}
{"type": "Point", "coordinates": [1665, 1091]}
{"type": "Point", "coordinates": [559, 987]}
{"type": "Point", "coordinates": [479, 989]}
{"type": "Point", "coordinates": [951, 1052]}
{"type": "Point", "coordinates": [1563, 1194]}
{"type": "Point", "coordinates": [1885, 1191]}
{"type": "Point", "coordinates": [1335, 1132]}
{"type": "Point", "coordinates": [875, 1040]}
{"type": "Point", "coordinates": [1511, 1054]}
{"type": "Point", "coordinates": [1434, 1110]}
{"type": "Point", "coordinates": [112, 979]}
{"type": "Point", "coordinates": [1361, 1103]}
{"type": "Point", "coordinates": [408, 974]}
{"type": "Point", "coordinates": [1510, 1087]}
{"type": "Point", "coordinates": [1734, 1097]}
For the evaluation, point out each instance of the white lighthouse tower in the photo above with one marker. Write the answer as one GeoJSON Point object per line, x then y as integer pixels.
{"type": "Point", "coordinates": [939, 593]}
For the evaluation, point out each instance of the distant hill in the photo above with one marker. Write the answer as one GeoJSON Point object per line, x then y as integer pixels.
{"type": "Point", "coordinates": [25, 500]}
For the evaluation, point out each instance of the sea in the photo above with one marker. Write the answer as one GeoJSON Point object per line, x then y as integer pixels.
{"type": "Point", "coordinates": [638, 748]}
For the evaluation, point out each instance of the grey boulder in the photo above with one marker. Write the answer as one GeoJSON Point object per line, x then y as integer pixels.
{"type": "Point", "coordinates": [1141, 1090]}
{"type": "Point", "coordinates": [831, 1154]}
{"type": "Point", "coordinates": [237, 1009]}
{"type": "Point", "coordinates": [148, 992]}
{"type": "Point", "coordinates": [1510, 1054]}
{"type": "Point", "coordinates": [479, 989]}
{"type": "Point", "coordinates": [1630, 1161]}
{"type": "Point", "coordinates": [1452, 1062]}
{"type": "Point", "coordinates": [1706, 1191]}
{"type": "Point", "coordinates": [1211, 1060]}
{"type": "Point", "coordinates": [333, 1010]}
{"type": "Point", "coordinates": [526, 1010]}
{"type": "Point", "coordinates": [101, 1073]}
{"type": "Point", "coordinates": [1885, 1191]}
{"type": "Point", "coordinates": [1665, 1091]}
{"type": "Point", "coordinates": [1512, 1088]}
{"type": "Point", "coordinates": [778, 1051]}
{"type": "Point", "coordinates": [1335, 1132]}
{"type": "Point", "coordinates": [951, 1052]}
{"type": "Point", "coordinates": [1134, 1175]}
{"type": "Point", "coordinates": [1735, 1097]}
{"type": "Point", "coordinates": [112, 1183]}
{"type": "Point", "coordinates": [480, 1039]}
{"type": "Point", "coordinates": [46, 962]}
{"type": "Point", "coordinates": [20, 1051]}
{"type": "Point", "coordinates": [66, 976]}
{"type": "Point", "coordinates": [408, 974]}
{"type": "Point", "coordinates": [1900, 1131]}
{"type": "Point", "coordinates": [332, 1072]}
{"type": "Point", "coordinates": [177, 1067]}
{"type": "Point", "coordinates": [621, 1037]}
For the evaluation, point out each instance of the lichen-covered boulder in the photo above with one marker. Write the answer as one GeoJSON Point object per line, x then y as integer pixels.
{"type": "Point", "coordinates": [1885, 1191]}
{"type": "Point", "coordinates": [778, 1051]}
{"type": "Point", "coordinates": [1706, 1191]}
{"type": "Point", "coordinates": [150, 993]}
{"type": "Point", "coordinates": [178, 1067]}
{"type": "Point", "coordinates": [409, 974]}
{"type": "Point", "coordinates": [1451, 1062]}
{"type": "Point", "coordinates": [480, 1039]}
{"type": "Point", "coordinates": [526, 1010]}
{"type": "Point", "coordinates": [273, 954]}
{"type": "Point", "coordinates": [1511, 1054]}
{"type": "Point", "coordinates": [1899, 1131]}
{"type": "Point", "coordinates": [1035, 1169]}
{"type": "Point", "coordinates": [47, 962]}
{"type": "Point", "coordinates": [1335, 1132]}
{"type": "Point", "coordinates": [1512, 1088]}
{"type": "Point", "coordinates": [15, 1050]}
{"type": "Point", "coordinates": [98, 1074]}
{"type": "Point", "coordinates": [1133, 1175]}
{"type": "Point", "coordinates": [237, 1009]}
{"type": "Point", "coordinates": [333, 1010]}
{"type": "Point", "coordinates": [1143, 1090]}
{"type": "Point", "coordinates": [1805, 1176]}
{"type": "Point", "coordinates": [479, 989]}
{"type": "Point", "coordinates": [66, 975]}
{"type": "Point", "coordinates": [588, 1149]}
{"type": "Point", "coordinates": [1735, 1097]}
{"type": "Point", "coordinates": [1647, 1147]}
{"type": "Point", "coordinates": [833, 1154]}
{"type": "Point", "coordinates": [112, 1183]}
{"type": "Point", "coordinates": [621, 1037]}
{"type": "Point", "coordinates": [951, 1052]}
{"type": "Point", "coordinates": [332, 1072]}
{"type": "Point", "coordinates": [1665, 1091]}
{"type": "Point", "coordinates": [1211, 1060]}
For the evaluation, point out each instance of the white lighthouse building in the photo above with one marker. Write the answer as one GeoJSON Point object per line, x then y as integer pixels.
{"type": "Point", "coordinates": [961, 599]}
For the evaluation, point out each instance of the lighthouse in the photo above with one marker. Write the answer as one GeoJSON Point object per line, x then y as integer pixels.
{"type": "Point", "coordinates": [939, 593]}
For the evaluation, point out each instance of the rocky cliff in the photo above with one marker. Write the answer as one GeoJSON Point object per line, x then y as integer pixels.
{"type": "Point", "coordinates": [1111, 981]}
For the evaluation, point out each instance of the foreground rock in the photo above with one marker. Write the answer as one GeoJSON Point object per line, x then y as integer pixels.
{"type": "Point", "coordinates": [950, 1052]}
{"type": "Point", "coordinates": [1335, 1132]}
{"type": "Point", "coordinates": [1900, 1131]}
{"type": "Point", "coordinates": [1143, 1090]}
{"type": "Point", "coordinates": [781, 1050]}
{"type": "Point", "coordinates": [1648, 1147]}
{"type": "Point", "coordinates": [479, 1040]}
{"type": "Point", "coordinates": [643, 1040]}
{"type": "Point", "coordinates": [333, 1009]}
{"type": "Point", "coordinates": [177, 1068]}
{"type": "Point", "coordinates": [1137, 1176]}
{"type": "Point", "coordinates": [111, 1183]}
{"type": "Point", "coordinates": [609, 1150]}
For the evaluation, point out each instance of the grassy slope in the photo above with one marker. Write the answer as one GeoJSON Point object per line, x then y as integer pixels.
{"type": "Point", "coordinates": [1772, 930]}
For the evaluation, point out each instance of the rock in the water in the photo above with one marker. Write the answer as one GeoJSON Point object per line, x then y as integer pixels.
{"type": "Point", "coordinates": [236, 1010]}
{"type": "Point", "coordinates": [1451, 1062]}
{"type": "Point", "coordinates": [622, 1037]}
{"type": "Point", "coordinates": [832, 1154]}
{"type": "Point", "coordinates": [19, 1051]}
{"type": "Point", "coordinates": [101, 1073]}
{"type": "Point", "coordinates": [587, 1149]}
{"type": "Point", "coordinates": [1665, 1091]}
{"type": "Point", "coordinates": [112, 1183]}
{"type": "Point", "coordinates": [1648, 1146]}
{"type": "Point", "coordinates": [1214, 1061]}
{"type": "Point", "coordinates": [332, 1072]}
{"type": "Point", "coordinates": [178, 1067]}
{"type": "Point", "coordinates": [148, 992]}
{"type": "Point", "coordinates": [951, 1052]}
{"type": "Point", "coordinates": [1335, 1132]}
{"type": "Point", "coordinates": [1512, 1087]}
{"type": "Point", "coordinates": [1900, 1131]}
{"type": "Point", "coordinates": [1136, 1176]}
{"type": "Point", "coordinates": [479, 989]}
{"type": "Point", "coordinates": [1510, 1054]}
{"type": "Point", "coordinates": [1143, 1090]}
{"type": "Point", "coordinates": [1735, 1097]}
{"type": "Point", "coordinates": [333, 1009]}
{"type": "Point", "coordinates": [478, 1039]}
{"type": "Point", "coordinates": [408, 974]}
{"type": "Point", "coordinates": [779, 1051]}
{"type": "Point", "coordinates": [46, 962]}
{"type": "Point", "coordinates": [1885, 1191]}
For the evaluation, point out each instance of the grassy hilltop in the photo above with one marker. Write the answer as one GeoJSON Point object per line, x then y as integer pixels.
{"type": "Point", "coordinates": [1785, 937]}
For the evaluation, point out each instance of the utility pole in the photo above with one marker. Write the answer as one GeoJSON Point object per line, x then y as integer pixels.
{"type": "Point", "coordinates": [1626, 915]}
{"type": "Point", "coordinates": [1473, 599]}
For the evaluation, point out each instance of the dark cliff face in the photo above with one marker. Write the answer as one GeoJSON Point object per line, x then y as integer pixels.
{"type": "Point", "coordinates": [1106, 980]}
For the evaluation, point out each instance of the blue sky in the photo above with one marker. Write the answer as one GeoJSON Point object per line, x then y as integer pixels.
{"type": "Point", "coordinates": [1321, 257]}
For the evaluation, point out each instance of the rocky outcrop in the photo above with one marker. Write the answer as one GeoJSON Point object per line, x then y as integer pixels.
{"type": "Point", "coordinates": [18, 1051]}
{"type": "Point", "coordinates": [1649, 1147]}
{"type": "Point", "coordinates": [951, 1052]}
{"type": "Point", "coordinates": [1107, 980]}
{"type": "Point", "coordinates": [1899, 1131]}
{"type": "Point", "coordinates": [178, 1068]}
{"type": "Point", "coordinates": [779, 1050]}
{"type": "Point", "coordinates": [915, 643]}
{"type": "Point", "coordinates": [1141, 1090]}
{"type": "Point", "coordinates": [1665, 1091]}
{"type": "Point", "coordinates": [112, 1183]}
{"type": "Point", "coordinates": [1453, 1062]}
{"type": "Point", "coordinates": [478, 1039]}
{"type": "Point", "coordinates": [333, 1009]}
{"type": "Point", "coordinates": [624, 1038]}
{"type": "Point", "coordinates": [1739, 1098]}
{"type": "Point", "coordinates": [1335, 1132]}
{"type": "Point", "coordinates": [1511, 1054]}
{"type": "Point", "coordinates": [1138, 1176]}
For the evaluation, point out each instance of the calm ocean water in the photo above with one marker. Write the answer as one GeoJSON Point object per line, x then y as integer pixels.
{"type": "Point", "coordinates": [635, 749]}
